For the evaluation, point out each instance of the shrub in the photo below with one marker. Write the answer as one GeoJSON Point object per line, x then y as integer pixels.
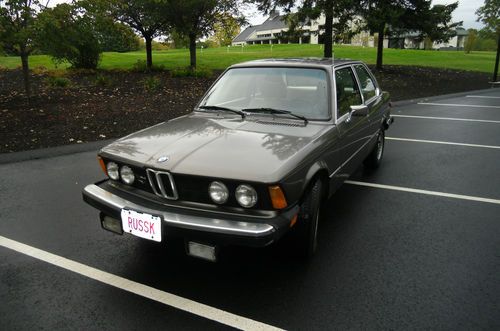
{"type": "Point", "coordinates": [188, 72]}
{"type": "Point", "coordinates": [57, 82]}
{"type": "Point", "coordinates": [58, 73]}
{"type": "Point", "coordinates": [151, 84]}
{"type": "Point", "coordinates": [102, 80]}
{"type": "Point", "coordinates": [142, 66]}
{"type": "Point", "coordinates": [117, 37]}
{"type": "Point", "coordinates": [40, 70]}
{"type": "Point", "coordinates": [69, 36]}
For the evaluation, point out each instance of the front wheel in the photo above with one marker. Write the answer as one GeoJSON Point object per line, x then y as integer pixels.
{"type": "Point", "coordinates": [307, 227]}
{"type": "Point", "coordinates": [374, 159]}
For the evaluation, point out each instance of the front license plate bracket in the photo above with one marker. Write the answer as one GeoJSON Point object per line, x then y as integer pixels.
{"type": "Point", "coordinates": [142, 224]}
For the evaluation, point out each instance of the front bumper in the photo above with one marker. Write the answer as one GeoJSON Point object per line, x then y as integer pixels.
{"type": "Point", "coordinates": [194, 225]}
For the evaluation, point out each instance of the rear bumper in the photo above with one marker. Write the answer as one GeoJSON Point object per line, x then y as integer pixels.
{"type": "Point", "coordinates": [201, 226]}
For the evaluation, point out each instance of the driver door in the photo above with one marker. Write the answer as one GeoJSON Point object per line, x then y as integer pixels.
{"type": "Point", "coordinates": [352, 129]}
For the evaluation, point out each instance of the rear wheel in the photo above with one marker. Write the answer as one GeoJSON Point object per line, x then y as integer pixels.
{"type": "Point", "coordinates": [307, 227]}
{"type": "Point", "coordinates": [374, 159]}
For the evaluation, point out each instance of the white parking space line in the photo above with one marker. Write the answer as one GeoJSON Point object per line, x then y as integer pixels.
{"type": "Point", "coordinates": [482, 96]}
{"type": "Point", "coordinates": [446, 118]}
{"type": "Point", "coordinates": [455, 105]}
{"type": "Point", "coordinates": [426, 192]}
{"type": "Point", "coordinates": [441, 142]}
{"type": "Point", "coordinates": [166, 298]}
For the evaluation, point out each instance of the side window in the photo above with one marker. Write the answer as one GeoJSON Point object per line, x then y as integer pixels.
{"type": "Point", "coordinates": [366, 81]}
{"type": "Point", "coordinates": [347, 91]}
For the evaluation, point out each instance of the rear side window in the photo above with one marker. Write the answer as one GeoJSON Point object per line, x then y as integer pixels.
{"type": "Point", "coordinates": [347, 91]}
{"type": "Point", "coordinates": [366, 81]}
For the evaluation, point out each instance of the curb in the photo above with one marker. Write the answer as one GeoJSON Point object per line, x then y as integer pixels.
{"type": "Point", "coordinates": [45, 153]}
{"type": "Point", "coordinates": [439, 97]}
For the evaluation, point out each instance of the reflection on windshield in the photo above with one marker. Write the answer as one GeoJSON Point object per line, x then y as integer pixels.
{"type": "Point", "coordinates": [299, 90]}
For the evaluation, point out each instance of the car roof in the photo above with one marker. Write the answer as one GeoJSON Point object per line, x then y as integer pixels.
{"type": "Point", "coordinates": [296, 62]}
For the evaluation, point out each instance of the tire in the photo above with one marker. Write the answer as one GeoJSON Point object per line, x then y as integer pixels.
{"type": "Point", "coordinates": [307, 226]}
{"type": "Point", "coordinates": [374, 159]}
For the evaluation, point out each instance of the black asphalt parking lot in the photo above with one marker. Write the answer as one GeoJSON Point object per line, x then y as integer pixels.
{"type": "Point", "coordinates": [387, 258]}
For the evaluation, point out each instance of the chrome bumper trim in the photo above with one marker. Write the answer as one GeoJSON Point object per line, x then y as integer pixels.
{"type": "Point", "coordinates": [178, 220]}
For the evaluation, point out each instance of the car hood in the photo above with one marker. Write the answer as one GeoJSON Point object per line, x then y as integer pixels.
{"type": "Point", "coordinates": [259, 148]}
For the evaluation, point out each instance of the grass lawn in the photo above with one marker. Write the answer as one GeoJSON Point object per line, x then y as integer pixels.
{"type": "Point", "coordinates": [220, 58]}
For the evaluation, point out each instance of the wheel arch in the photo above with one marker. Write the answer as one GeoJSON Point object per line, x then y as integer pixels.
{"type": "Point", "coordinates": [317, 171]}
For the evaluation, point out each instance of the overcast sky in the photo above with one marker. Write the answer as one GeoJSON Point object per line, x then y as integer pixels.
{"type": "Point", "coordinates": [465, 12]}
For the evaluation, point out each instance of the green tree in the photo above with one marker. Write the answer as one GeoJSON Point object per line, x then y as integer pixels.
{"type": "Point", "coordinates": [437, 25]}
{"type": "Point", "coordinates": [67, 33]}
{"type": "Point", "coordinates": [470, 41]}
{"type": "Point", "coordinates": [378, 15]}
{"type": "Point", "coordinates": [489, 14]}
{"type": "Point", "coordinates": [396, 16]}
{"type": "Point", "coordinates": [143, 16]}
{"type": "Point", "coordinates": [338, 16]}
{"type": "Point", "coordinates": [17, 20]}
{"type": "Point", "coordinates": [343, 11]}
{"type": "Point", "coordinates": [386, 17]}
{"type": "Point", "coordinates": [179, 40]}
{"type": "Point", "coordinates": [226, 28]}
{"type": "Point", "coordinates": [486, 40]}
{"type": "Point", "coordinates": [196, 18]}
{"type": "Point", "coordinates": [117, 37]}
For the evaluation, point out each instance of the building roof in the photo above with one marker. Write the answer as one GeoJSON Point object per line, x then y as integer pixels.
{"type": "Point", "coordinates": [274, 22]}
{"type": "Point", "coordinates": [244, 34]}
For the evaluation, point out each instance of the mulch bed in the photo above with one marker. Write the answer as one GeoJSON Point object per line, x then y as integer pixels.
{"type": "Point", "coordinates": [86, 111]}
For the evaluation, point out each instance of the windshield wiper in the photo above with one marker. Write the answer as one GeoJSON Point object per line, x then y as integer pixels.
{"type": "Point", "coordinates": [213, 107]}
{"type": "Point", "coordinates": [275, 111]}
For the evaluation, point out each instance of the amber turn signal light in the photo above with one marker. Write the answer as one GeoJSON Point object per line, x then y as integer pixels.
{"type": "Point", "coordinates": [102, 164]}
{"type": "Point", "coordinates": [277, 197]}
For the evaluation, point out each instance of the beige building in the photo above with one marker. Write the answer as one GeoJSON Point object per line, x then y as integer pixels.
{"type": "Point", "coordinates": [413, 40]}
{"type": "Point", "coordinates": [272, 31]}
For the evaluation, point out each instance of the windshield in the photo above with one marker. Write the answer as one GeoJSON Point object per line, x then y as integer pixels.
{"type": "Point", "coordinates": [301, 91]}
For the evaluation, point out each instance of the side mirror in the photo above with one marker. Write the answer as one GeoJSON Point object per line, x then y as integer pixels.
{"type": "Point", "coordinates": [378, 92]}
{"type": "Point", "coordinates": [358, 111]}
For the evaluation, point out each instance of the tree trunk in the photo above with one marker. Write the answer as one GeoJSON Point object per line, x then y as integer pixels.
{"type": "Point", "coordinates": [149, 51]}
{"type": "Point", "coordinates": [495, 73]}
{"type": "Point", "coordinates": [380, 46]}
{"type": "Point", "coordinates": [327, 41]}
{"type": "Point", "coordinates": [192, 50]}
{"type": "Point", "coordinates": [26, 73]}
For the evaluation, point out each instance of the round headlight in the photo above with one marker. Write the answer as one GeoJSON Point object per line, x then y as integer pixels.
{"type": "Point", "coordinates": [127, 175]}
{"type": "Point", "coordinates": [112, 169]}
{"type": "Point", "coordinates": [218, 192]}
{"type": "Point", "coordinates": [246, 196]}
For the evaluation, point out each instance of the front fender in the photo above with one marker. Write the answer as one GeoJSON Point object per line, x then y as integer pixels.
{"type": "Point", "coordinates": [296, 184]}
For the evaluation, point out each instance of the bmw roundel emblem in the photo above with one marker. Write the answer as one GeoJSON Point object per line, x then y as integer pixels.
{"type": "Point", "coordinates": [162, 159]}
